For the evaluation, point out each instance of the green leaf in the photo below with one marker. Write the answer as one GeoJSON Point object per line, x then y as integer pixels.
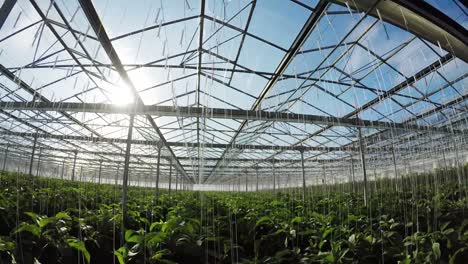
{"type": "Point", "coordinates": [32, 215]}
{"type": "Point", "coordinates": [121, 254]}
{"type": "Point", "coordinates": [296, 220]}
{"type": "Point", "coordinates": [436, 249]}
{"type": "Point", "coordinates": [131, 236]}
{"type": "Point", "coordinates": [80, 246]}
{"type": "Point", "coordinates": [327, 232]}
{"type": "Point", "coordinates": [448, 231]}
{"type": "Point", "coordinates": [264, 220]}
{"type": "Point", "coordinates": [154, 225]}
{"type": "Point", "coordinates": [6, 245]}
{"type": "Point", "coordinates": [159, 255]}
{"type": "Point", "coordinates": [155, 237]}
{"type": "Point", "coordinates": [62, 215]}
{"type": "Point", "coordinates": [395, 225]}
{"type": "Point", "coordinates": [45, 221]}
{"type": "Point", "coordinates": [407, 260]}
{"type": "Point", "coordinates": [330, 258]}
{"type": "Point", "coordinates": [33, 229]}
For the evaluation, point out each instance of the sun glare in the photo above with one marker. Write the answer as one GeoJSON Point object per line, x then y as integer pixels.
{"type": "Point", "coordinates": [121, 95]}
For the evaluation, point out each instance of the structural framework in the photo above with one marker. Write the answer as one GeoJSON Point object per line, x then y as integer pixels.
{"type": "Point", "coordinates": [217, 94]}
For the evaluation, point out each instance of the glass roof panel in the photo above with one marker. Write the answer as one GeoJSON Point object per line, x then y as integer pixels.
{"type": "Point", "coordinates": [173, 62]}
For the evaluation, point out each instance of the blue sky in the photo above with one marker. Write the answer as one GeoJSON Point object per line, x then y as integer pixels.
{"type": "Point", "coordinates": [276, 21]}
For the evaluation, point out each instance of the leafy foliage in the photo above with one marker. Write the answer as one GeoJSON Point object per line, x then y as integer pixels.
{"type": "Point", "coordinates": [55, 221]}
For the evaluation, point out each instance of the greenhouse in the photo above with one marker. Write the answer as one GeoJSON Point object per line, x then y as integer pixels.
{"type": "Point", "coordinates": [233, 131]}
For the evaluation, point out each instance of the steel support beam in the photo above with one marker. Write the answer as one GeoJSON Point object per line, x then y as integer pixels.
{"type": "Point", "coordinates": [220, 113]}
{"type": "Point", "coordinates": [5, 10]}
{"type": "Point", "coordinates": [113, 154]}
{"type": "Point", "coordinates": [200, 53]}
{"type": "Point", "coordinates": [195, 145]}
{"type": "Point", "coordinates": [177, 144]}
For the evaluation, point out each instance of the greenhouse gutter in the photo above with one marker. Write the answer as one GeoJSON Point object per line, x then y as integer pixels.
{"type": "Point", "coordinates": [421, 19]}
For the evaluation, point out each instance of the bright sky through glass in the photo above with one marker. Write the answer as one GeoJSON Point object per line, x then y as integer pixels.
{"type": "Point", "coordinates": [346, 63]}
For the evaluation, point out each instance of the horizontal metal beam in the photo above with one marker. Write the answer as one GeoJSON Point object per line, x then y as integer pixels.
{"type": "Point", "coordinates": [221, 113]}
{"type": "Point", "coordinates": [281, 163]}
{"type": "Point", "coordinates": [118, 154]}
{"type": "Point", "coordinates": [175, 144]}
{"type": "Point", "coordinates": [194, 145]}
{"type": "Point", "coordinates": [288, 164]}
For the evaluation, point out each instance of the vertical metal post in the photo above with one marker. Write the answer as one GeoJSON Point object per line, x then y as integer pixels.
{"type": "Point", "coordinates": [157, 172]}
{"type": "Point", "coordinates": [32, 155]}
{"type": "Point", "coordinates": [395, 171]}
{"type": "Point", "coordinates": [246, 182]}
{"type": "Point", "coordinates": [74, 166]}
{"type": "Point", "coordinates": [170, 176]}
{"type": "Point", "coordinates": [117, 174]}
{"type": "Point", "coordinates": [125, 173]}
{"type": "Point", "coordinates": [445, 160]}
{"type": "Point", "coordinates": [5, 10]}
{"type": "Point", "coordinates": [176, 180]}
{"type": "Point", "coordinates": [324, 182]}
{"type": "Point", "coordinates": [63, 169]}
{"type": "Point", "coordinates": [5, 158]}
{"type": "Point", "coordinates": [352, 174]}
{"type": "Point", "coordinates": [100, 169]}
{"type": "Point", "coordinates": [303, 177]}
{"type": "Point", "coordinates": [457, 162]}
{"type": "Point", "coordinates": [38, 162]}
{"type": "Point", "coordinates": [274, 175]}
{"type": "Point", "coordinates": [363, 162]}
{"type": "Point", "coordinates": [256, 172]}
{"type": "Point", "coordinates": [81, 174]}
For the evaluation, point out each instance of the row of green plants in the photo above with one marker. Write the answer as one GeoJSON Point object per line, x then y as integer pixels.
{"type": "Point", "coordinates": [418, 218]}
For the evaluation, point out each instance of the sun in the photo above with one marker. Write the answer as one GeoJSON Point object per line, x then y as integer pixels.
{"type": "Point", "coordinates": [118, 93]}
{"type": "Point", "coordinates": [121, 95]}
